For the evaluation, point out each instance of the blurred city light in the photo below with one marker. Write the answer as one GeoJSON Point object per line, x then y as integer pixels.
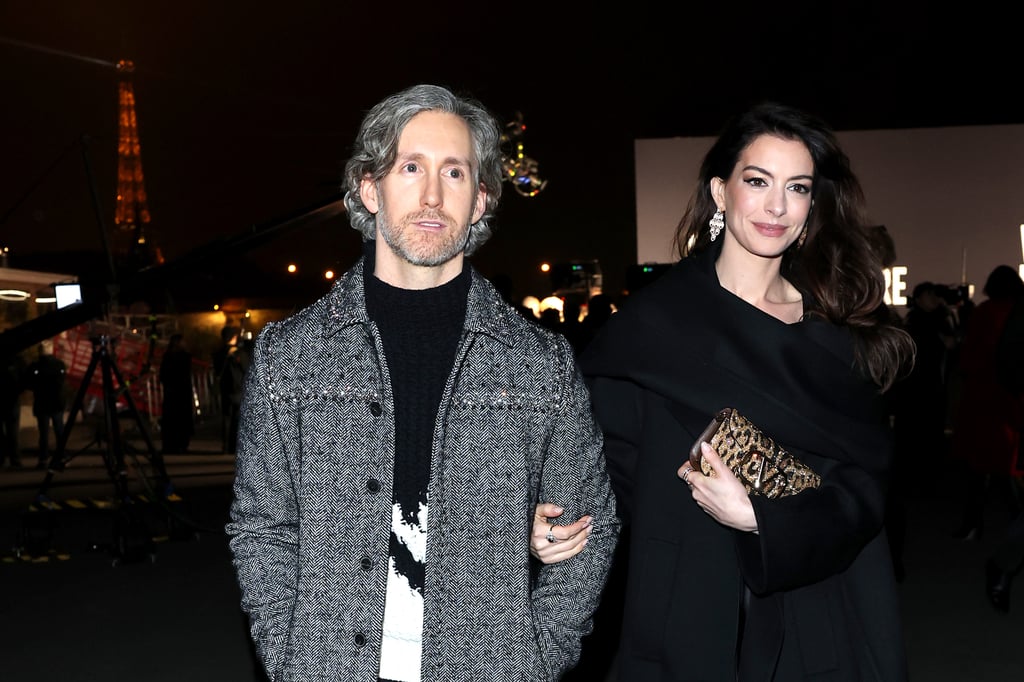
{"type": "Point", "coordinates": [520, 169]}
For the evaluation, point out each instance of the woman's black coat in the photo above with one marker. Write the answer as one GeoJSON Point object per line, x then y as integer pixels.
{"type": "Point", "coordinates": [821, 597]}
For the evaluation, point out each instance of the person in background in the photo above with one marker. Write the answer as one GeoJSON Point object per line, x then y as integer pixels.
{"type": "Point", "coordinates": [572, 325]}
{"type": "Point", "coordinates": [12, 385]}
{"type": "Point", "coordinates": [397, 435]}
{"type": "Point", "coordinates": [1006, 560]}
{"type": "Point", "coordinates": [923, 392]}
{"type": "Point", "coordinates": [177, 421]}
{"type": "Point", "coordinates": [229, 373]}
{"type": "Point", "coordinates": [777, 309]}
{"type": "Point", "coordinates": [918, 404]}
{"type": "Point", "coordinates": [551, 318]}
{"type": "Point", "coordinates": [599, 309]}
{"type": "Point", "coordinates": [46, 380]}
{"type": "Point", "coordinates": [988, 415]}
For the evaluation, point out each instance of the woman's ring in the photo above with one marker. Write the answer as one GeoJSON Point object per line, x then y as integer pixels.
{"type": "Point", "coordinates": [686, 475]}
{"type": "Point", "coordinates": [551, 535]}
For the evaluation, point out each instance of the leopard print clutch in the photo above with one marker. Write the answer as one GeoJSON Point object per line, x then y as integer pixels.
{"type": "Point", "coordinates": [761, 465]}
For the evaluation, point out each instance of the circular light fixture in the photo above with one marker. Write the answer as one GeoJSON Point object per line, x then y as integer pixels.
{"type": "Point", "coordinates": [14, 295]}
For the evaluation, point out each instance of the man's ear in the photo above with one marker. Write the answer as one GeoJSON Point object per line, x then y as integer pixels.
{"type": "Point", "coordinates": [480, 205]}
{"type": "Point", "coordinates": [368, 193]}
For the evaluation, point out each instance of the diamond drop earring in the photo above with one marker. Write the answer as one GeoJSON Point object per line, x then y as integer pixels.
{"type": "Point", "coordinates": [717, 222]}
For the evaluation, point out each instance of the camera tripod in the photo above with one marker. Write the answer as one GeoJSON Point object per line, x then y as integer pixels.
{"type": "Point", "coordinates": [113, 454]}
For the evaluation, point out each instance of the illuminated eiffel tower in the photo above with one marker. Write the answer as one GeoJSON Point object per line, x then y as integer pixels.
{"type": "Point", "coordinates": [131, 215]}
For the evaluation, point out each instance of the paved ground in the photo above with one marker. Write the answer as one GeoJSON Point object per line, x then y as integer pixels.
{"type": "Point", "coordinates": [76, 606]}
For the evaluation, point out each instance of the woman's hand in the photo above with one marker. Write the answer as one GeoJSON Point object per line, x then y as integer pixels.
{"type": "Point", "coordinates": [721, 494]}
{"type": "Point", "coordinates": [568, 541]}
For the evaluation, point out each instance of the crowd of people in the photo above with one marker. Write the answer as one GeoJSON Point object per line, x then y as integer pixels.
{"type": "Point", "coordinates": [176, 375]}
{"type": "Point", "coordinates": [958, 411]}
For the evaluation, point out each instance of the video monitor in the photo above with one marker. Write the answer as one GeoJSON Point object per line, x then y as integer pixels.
{"type": "Point", "coordinates": [68, 294]}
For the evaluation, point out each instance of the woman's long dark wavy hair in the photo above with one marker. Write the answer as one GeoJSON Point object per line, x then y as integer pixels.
{"type": "Point", "coordinates": [839, 266]}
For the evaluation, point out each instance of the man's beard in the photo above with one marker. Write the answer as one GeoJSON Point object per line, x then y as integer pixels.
{"type": "Point", "coordinates": [421, 247]}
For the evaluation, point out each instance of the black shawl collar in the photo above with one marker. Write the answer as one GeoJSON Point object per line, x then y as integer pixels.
{"type": "Point", "coordinates": [691, 341]}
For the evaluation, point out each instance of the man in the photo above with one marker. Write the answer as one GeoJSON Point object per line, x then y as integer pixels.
{"type": "Point", "coordinates": [46, 380]}
{"type": "Point", "coordinates": [229, 371]}
{"type": "Point", "coordinates": [397, 434]}
{"type": "Point", "coordinates": [177, 423]}
{"type": "Point", "coordinates": [12, 383]}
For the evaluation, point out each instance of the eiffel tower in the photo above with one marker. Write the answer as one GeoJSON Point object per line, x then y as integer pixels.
{"type": "Point", "coordinates": [131, 216]}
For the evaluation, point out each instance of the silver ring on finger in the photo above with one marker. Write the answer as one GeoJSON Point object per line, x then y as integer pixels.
{"type": "Point", "coordinates": [551, 534]}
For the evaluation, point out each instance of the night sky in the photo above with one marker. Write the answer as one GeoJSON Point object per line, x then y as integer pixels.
{"type": "Point", "coordinates": [246, 114]}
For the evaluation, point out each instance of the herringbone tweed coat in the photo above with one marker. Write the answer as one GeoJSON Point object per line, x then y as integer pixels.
{"type": "Point", "coordinates": [311, 515]}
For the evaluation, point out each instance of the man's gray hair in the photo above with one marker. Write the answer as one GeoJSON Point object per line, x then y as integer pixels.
{"type": "Point", "coordinates": [376, 147]}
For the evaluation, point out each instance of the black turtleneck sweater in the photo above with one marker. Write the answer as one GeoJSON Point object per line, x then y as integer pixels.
{"type": "Point", "coordinates": [420, 330]}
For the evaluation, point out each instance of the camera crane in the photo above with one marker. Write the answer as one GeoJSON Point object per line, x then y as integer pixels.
{"type": "Point", "coordinates": [143, 273]}
{"type": "Point", "coordinates": [97, 296]}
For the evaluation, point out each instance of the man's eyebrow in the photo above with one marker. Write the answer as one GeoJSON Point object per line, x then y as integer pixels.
{"type": "Point", "coordinates": [447, 161]}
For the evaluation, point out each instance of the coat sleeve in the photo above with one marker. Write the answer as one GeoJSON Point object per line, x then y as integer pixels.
{"type": "Point", "coordinates": [575, 477]}
{"type": "Point", "coordinates": [812, 535]}
{"type": "Point", "coordinates": [618, 409]}
{"type": "Point", "coordinates": [263, 525]}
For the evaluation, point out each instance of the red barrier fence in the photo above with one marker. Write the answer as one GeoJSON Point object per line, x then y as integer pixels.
{"type": "Point", "coordinates": [136, 356]}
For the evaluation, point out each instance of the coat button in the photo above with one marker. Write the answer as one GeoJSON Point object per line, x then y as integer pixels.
{"type": "Point", "coordinates": [366, 563]}
{"type": "Point", "coordinates": [359, 639]}
{"type": "Point", "coordinates": [373, 485]}
{"type": "Point", "coordinates": [375, 409]}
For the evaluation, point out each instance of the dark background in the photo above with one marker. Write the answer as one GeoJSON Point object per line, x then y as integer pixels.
{"type": "Point", "coordinates": [246, 110]}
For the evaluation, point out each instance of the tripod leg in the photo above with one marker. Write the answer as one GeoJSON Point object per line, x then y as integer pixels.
{"type": "Point", "coordinates": [166, 492]}
{"type": "Point", "coordinates": [154, 455]}
{"type": "Point", "coordinates": [58, 459]}
{"type": "Point", "coordinates": [115, 456]}
{"type": "Point", "coordinates": [132, 539]}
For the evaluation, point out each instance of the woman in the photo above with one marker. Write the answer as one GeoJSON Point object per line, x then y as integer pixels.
{"type": "Point", "coordinates": [986, 430]}
{"type": "Point", "coordinates": [776, 309]}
